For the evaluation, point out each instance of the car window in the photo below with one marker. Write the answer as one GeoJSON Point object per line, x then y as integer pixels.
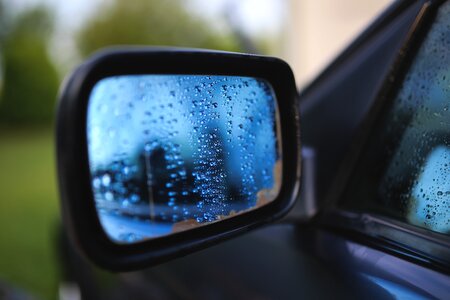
{"type": "Point", "coordinates": [404, 171]}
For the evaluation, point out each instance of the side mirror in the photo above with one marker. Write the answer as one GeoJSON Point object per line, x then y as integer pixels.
{"type": "Point", "coordinates": [163, 152]}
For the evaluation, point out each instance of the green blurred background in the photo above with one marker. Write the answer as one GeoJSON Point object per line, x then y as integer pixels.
{"type": "Point", "coordinates": [29, 79]}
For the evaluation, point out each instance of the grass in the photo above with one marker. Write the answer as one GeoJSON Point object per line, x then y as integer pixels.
{"type": "Point", "coordinates": [29, 212]}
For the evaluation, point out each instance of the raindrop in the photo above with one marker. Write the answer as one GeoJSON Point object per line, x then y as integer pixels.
{"type": "Point", "coordinates": [96, 182]}
{"type": "Point", "coordinates": [134, 198]}
{"type": "Point", "coordinates": [106, 180]}
{"type": "Point", "coordinates": [109, 196]}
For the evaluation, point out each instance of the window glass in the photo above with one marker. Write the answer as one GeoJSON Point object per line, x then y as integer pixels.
{"type": "Point", "coordinates": [404, 172]}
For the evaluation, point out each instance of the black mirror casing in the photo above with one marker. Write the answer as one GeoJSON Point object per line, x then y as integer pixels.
{"type": "Point", "coordinates": [78, 207]}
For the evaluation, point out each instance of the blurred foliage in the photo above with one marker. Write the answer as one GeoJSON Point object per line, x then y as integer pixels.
{"type": "Point", "coordinates": [28, 212]}
{"type": "Point", "coordinates": [3, 23]}
{"type": "Point", "coordinates": [151, 22]}
{"type": "Point", "coordinates": [30, 80]}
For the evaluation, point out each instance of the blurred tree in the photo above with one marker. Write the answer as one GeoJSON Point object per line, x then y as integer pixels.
{"type": "Point", "coordinates": [3, 27]}
{"type": "Point", "coordinates": [2, 22]}
{"type": "Point", "coordinates": [151, 22]}
{"type": "Point", "coordinates": [30, 81]}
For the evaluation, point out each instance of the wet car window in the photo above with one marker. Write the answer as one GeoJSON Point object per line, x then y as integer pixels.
{"type": "Point", "coordinates": [404, 172]}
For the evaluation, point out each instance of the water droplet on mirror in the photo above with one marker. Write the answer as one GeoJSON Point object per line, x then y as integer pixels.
{"type": "Point", "coordinates": [96, 182]}
{"type": "Point", "coordinates": [126, 170]}
{"type": "Point", "coordinates": [109, 196]}
{"type": "Point", "coordinates": [106, 180]}
{"type": "Point", "coordinates": [134, 198]}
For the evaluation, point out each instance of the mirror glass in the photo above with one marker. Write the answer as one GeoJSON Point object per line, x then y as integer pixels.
{"type": "Point", "coordinates": [172, 152]}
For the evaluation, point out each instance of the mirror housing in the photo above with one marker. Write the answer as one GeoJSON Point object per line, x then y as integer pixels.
{"type": "Point", "coordinates": [75, 178]}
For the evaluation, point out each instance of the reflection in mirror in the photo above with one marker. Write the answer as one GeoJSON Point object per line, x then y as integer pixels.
{"type": "Point", "coordinates": [171, 152]}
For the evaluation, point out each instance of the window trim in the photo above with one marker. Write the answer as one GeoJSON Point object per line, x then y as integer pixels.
{"type": "Point", "coordinates": [412, 243]}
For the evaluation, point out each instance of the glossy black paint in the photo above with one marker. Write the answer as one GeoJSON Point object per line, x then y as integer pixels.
{"type": "Point", "coordinates": [282, 261]}
{"type": "Point", "coordinates": [79, 211]}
